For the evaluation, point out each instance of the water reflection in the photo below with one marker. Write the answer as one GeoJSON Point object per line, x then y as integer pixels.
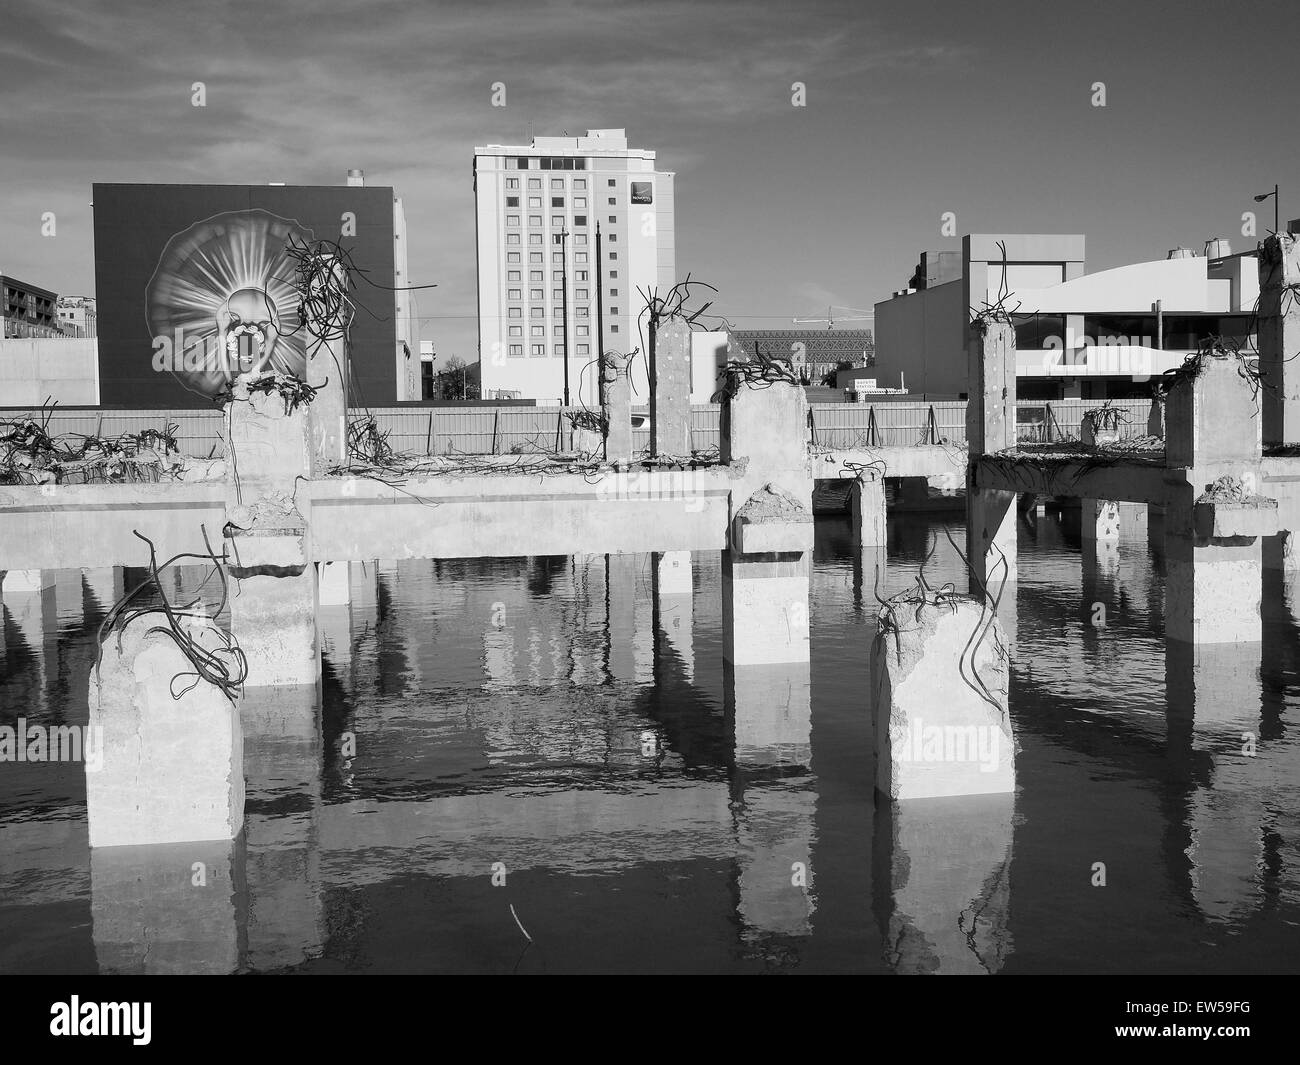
{"type": "Point", "coordinates": [563, 745]}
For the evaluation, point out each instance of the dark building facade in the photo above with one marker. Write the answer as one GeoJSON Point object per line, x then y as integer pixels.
{"type": "Point", "coordinates": [26, 310]}
{"type": "Point", "coordinates": [822, 349]}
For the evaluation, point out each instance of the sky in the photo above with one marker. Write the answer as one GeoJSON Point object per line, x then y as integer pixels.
{"type": "Point", "coordinates": [912, 110]}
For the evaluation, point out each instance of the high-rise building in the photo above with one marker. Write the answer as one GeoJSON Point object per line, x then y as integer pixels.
{"type": "Point", "coordinates": [539, 209]}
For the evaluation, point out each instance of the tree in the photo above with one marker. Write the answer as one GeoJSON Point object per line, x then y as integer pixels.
{"type": "Point", "coordinates": [457, 380]}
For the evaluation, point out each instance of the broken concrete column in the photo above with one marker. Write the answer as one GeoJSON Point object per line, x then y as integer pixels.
{"type": "Point", "coordinates": [990, 427]}
{"type": "Point", "coordinates": [172, 768]}
{"type": "Point", "coordinates": [1279, 338]}
{"type": "Point", "coordinates": [616, 406]}
{"type": "Point", "coordinates": [1215, 518]}
{"type": "Point", "coordinates": [670, 388]}
{"type": "Point", "coordinates": [268, 534]}
{"type": "Point", "coordinates": [327, 368]}
{"type": "Point", "coordinates": [940, 681]}
{"type": "Point", "coordinates": [868, 512]}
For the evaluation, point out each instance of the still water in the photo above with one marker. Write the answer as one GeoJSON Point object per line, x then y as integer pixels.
{"type": "Point", "coordinates": [542, 765]}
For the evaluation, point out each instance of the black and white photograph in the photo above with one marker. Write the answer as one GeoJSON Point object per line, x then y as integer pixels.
{"type": "Point", "coordinates": [595, 488]}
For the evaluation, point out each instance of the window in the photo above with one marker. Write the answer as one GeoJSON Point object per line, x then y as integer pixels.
{"type": "Point", "coordinates": [580, 220]}
{"type": "Point", "coordinates": [581, 257]}
{"type": "Point", "coordinates": [539, 350]}
{"type": "Point", "coordinates": [611, 183]}
{"type": "Point", "coordinates": [538, 331]}
{"type": "Point", "coordinates": [534, 183]}
{"type": "Point", "coordinates": [557, 275]}
{"type": "Point", "coordinates": [535, 294]}
{"type": "Point", "coordinates": [513, 275]}
{"type": "Point", "coordinates": [534, 275]}
{"type": "Point", "coordinates": [580, 238]}
{"type": "Point", "coordinates": [544, 164]}
{"type": "Point", "coordinates": [581, 312]}
{"type": "Point", "coordinates": [558, 331]}
{"type": "Point", "coordinates": [512, 257]}
{"type": "Point", "coordinates": [512, 219]}
{"type": "Point", "coordinates": [534, 202]}
{"type": "Point", "coordinates": [534, 238]}
{"type": "Point", "coordinates": [613, 328]}
{"type": "Point", "coordinates": [580, 201]}
{"type": "Point", "coordinates": [559, 349]}
{"type": "Point", "coordinates": [613, 292]}
{"type": "Point", "coordinates": [581, 275]}
{"type": "Point", "coordinates": [580, 183]}
{"type": "Point", "coordinates": [537, 312]}
{"type": "Point", "coordinates": [581, 294]}
{"type": "Point", "coordinates": [534, 256]}
{"type": "Point", "coordinates": [512, 201]}
{"type": "Point", "coordinates": [613, 219]}
{"type": "Point", "coordinates": [512, 183]}
{"type": "Point", "coordinates": [522, 162]}
{"type": "Point", "coordinates": [513, 294]}
{"type": "Point", "coordinates": [580, 164]}
{"type": "Point", "coordinates": [512, 238]}
{"type": "Point", "coordinates": [516, 312]}
{"type": "Point", "coordinates": [557, 201]}
{"type": "Point", "coordinates": [643, 192]}
{"type": "Point", "coordinates": [613, 274]}
{"type": "Point", "coordinates": [557, 183]}
{"type": "Point", "coordinates": [517, 350]}
{"type": "Point", "coordinates": [557, 257]}
{"type": "Point", "coordinates": [583, 330]}
{"type": "Point", "coordinates": [557, 220]}
{"type": "Point", "coordinates": [584, 349]}
{"type": "Point", "coordinates": [613, 310]}
{"type": "Point", "coordinates": [534, 220]}
{"type": "Point", "coordinates": [612, 201]}
{"type": "Point", "coordinates": [557, 294]}
{"type": "Point", "coordinates": [516, 330]}
{"type": "Point", "coordinates": [613, 255]}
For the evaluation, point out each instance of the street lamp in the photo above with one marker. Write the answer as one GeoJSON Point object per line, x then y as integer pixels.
{"type": "Point", "coordinates": [1276, 213]}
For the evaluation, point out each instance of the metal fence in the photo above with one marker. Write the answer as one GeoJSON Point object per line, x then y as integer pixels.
{"type": "Point", "coordinates": [1060, 419]}
{"type": "Point", "coordinates": [504, 430]}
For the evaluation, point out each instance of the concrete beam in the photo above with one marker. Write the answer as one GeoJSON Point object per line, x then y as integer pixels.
{"type": "Point", "coordinates": [1120, 483]}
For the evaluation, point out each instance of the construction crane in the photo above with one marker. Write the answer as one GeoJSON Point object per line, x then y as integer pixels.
{"type": "Point", "coordinates": [830, 319]}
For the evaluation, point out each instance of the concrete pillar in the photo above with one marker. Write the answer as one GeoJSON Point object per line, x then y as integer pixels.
{"type": "Point", "coordinates": [868, 513]}
{"type": "Point", "coordinates": [1213, 549]}
{"type": "Point", "coordinates": [171, 767]}
{"type": "Point", "coordinates": [274, 620]}
{"type": "Point", "coordinates": [283, 763]}
{"type": "Point", "coordinates": [670, 388]}
{"type": "Point", "coordinates": [616, 406]}
{"type": "Point", "coordinates": [990, 427]}
{"type": "Point", "coordinates": [940, 680]}
{"type": "Point", "coordinates": [273, 607]}
{"type": "Point", "coordinates": [764, 608]}
{"type": "Point", "coordinates": [327, 372]}
{"type": "Point", "coordinates": [1279, 338]}
{"type": "Point", "coordinates": [175, 909]}
{"type": "Point", "coordinates": [333, 578]}
{"type": "Point", "coordinates": [948, 862]}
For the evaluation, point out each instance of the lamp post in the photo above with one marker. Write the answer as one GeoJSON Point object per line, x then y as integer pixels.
{"type": "Point", "coordinates": [564, 296]}
{"type": "Point", "coordinates": [1277, 214]}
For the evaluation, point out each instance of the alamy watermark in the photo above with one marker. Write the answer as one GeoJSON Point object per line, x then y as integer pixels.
{"type": "Point", "coordinates": [920, 742]}
{"type": "Point", "coordinates": [53, 743]}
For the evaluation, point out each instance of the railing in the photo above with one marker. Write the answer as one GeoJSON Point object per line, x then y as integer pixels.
{"type": "Point", "coordinates": [504, 430]}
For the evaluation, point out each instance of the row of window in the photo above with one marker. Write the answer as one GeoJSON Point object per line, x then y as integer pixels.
{"type": "Point", "coordinates": [537, 276]}
{"type": "Point", "coordinates": [557, 184]}
{"type": "Point", "coordinates": [525, 162]}
{"type": "Point", "coordinates": [557, 220]}
{"type": "Point", "coordinates": [556, 257]}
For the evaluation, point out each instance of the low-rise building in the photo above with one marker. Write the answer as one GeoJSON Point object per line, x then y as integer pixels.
{"type": "Point", "coordinates": [1078, 335]}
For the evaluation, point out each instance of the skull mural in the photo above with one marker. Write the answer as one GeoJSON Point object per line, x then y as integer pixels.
{"type": "Point", "coordinates": [220, 296]}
